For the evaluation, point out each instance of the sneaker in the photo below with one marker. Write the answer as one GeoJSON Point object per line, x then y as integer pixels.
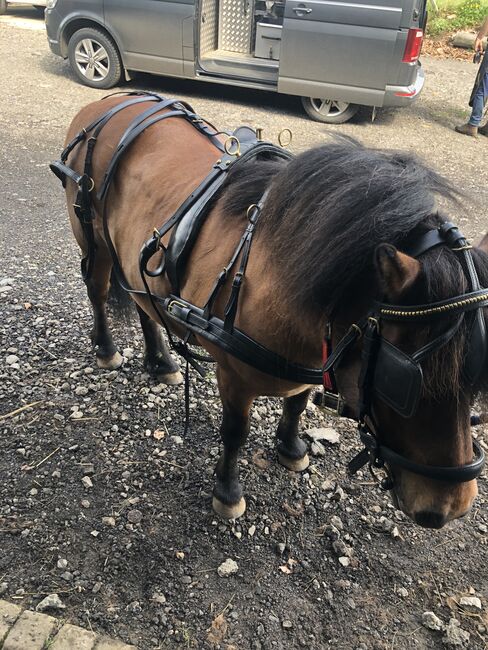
{"type": "Point", "coordinates": [467, 129]}
{"type": "Point", "coordinates": [484, 130]}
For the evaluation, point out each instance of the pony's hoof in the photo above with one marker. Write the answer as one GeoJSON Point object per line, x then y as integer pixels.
{"type": "Point", "coordinates": [110, 363]}
{"type": "Point", "coordinates": [227, 511]}
{"type": "Point", "coordinates": [171, 379]}
{"type": "Point", "coordinates": [294, 464]}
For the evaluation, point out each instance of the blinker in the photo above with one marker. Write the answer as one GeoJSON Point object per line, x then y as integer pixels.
{"type": "Point", "coordinates": [397, 379]}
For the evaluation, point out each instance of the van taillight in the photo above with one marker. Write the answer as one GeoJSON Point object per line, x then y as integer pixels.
{"type": "Point", "coordinates": [412, 48]}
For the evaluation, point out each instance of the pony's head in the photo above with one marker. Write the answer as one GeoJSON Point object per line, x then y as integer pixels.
{"type": "Point", "coordinates": [349, 228]}
{"type": "Point", "coordinates": [431, 363]}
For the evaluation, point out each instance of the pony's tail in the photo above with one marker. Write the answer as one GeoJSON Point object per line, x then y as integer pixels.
{"type": "Point", "coordinates": [118, 298]}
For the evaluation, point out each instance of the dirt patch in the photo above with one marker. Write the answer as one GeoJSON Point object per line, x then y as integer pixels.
{"type": "Point", "coordinates": [440, 47]}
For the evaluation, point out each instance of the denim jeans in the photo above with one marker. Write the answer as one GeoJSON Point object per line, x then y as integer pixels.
{"type": "Point", "coordinates": [478, 106]}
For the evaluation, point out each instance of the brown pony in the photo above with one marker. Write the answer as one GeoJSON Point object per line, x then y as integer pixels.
{"type": "Point", "coordinates": [325, 245]}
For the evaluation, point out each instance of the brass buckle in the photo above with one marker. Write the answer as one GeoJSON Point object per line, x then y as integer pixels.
{"type": "Point", "coordinates": [157, 236]}
{"type": "Point", "coordinates": [466, 247]}
{"type": "Point", "coordinates": [374, 322]}
{"type": "Point", "coordinates": [175, 302]}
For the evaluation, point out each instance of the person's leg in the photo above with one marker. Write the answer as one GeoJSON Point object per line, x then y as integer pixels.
{"type": "Point", "coordinates": [478, 106]}
{"type": "Point", "coordinates": [471, 127]}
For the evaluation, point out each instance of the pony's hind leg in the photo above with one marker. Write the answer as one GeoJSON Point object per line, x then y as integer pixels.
{"type": "Point", "coordinates": [97, 286]}
{"type": "Point", "coordinates": [228, 501]}
{"type": "Point", "coordinates": [292, 450]}
{"type": "Point", "coordinates": [157, 358]}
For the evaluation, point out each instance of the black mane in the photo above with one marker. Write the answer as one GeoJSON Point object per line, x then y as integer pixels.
{"type": "Point", "coordinates": [330, 207]}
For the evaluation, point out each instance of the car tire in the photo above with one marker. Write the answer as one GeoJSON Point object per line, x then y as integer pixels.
{"type": "Point", "coordinates": [94, 58]}
{"type": "Point", "coordinates": [329, 111]}
{"type": "Point", "coordinates": [3, 7]}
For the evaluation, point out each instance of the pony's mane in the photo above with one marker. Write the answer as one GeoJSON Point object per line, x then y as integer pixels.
{"type": "Point", "coordinates": [329, 208]}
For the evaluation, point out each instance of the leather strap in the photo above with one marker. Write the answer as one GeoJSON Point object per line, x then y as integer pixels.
{"type": "Point", "coordinates": [237, 343]}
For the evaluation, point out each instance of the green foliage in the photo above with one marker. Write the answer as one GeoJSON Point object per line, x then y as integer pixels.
{"type": "Point", "coordinates": [470, 13]}
{"type": "Point", "coordinates": [451, 17]}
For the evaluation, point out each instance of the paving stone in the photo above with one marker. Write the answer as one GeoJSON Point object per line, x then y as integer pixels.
{"type": "Point", "coordinates": [109, 644]}
{"type": "Point", "coordinates": [9, 613]}
{"type": "Point", "coordinates": [30, 632]}
{"type": "Point", "coordinates": [71, 636]}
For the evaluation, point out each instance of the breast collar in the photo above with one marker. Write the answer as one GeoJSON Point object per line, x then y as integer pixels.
{"type": "Point", "coordinates": [396, 378]}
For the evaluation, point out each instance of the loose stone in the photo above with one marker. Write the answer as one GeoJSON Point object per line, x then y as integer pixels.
{"type": "Point", "coordinates": [227, 568]}
{"type": "Point", "coordinates": [53, 601]}
{"type": "Point", "coordinates": [431, 621]}
{"type": "Point", "coordinates": [134, 516]}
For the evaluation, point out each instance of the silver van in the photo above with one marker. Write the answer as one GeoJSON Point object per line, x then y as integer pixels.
{"type": "Point", "coordinates": [334, 54]}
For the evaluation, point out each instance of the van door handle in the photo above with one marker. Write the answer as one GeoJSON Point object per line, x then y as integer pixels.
{"type": "Point", "coordinates": [301, 11]}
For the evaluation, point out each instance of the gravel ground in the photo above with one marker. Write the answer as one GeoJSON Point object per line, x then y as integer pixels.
{"type": "Point", "coordinates": [104, 502]}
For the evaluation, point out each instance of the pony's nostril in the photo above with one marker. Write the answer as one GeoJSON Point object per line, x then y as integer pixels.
{"type": "Point", "coordinates": [430, 519]}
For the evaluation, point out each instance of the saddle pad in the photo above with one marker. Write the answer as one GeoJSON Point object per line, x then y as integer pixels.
{"type": "Point", "coordinates": [185, 232]}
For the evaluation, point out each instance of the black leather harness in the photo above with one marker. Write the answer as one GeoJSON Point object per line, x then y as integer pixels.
{"type": "Point", "coordinates": [386, 371]}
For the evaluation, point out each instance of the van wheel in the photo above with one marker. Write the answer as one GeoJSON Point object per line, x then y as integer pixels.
{"type": "Point", "coordinates": [3, 7]}
{"type": "Point", "coordinates": [329, 110]}
{"type": "Point", "coordinates": [94, 58]}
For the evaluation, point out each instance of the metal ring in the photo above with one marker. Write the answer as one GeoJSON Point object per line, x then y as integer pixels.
{"type": "Point", "coordinates": [253, 206]}
{"type": "Point", "coordinates": [91, 181]}
{"type": "Point", "coordinates": [280, 137]}
{"type": "Point", "coordinates": [228, 146]}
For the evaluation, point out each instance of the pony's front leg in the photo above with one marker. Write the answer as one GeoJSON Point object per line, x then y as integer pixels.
{"type": "Point", "coordinates": [292, 450]}
{"type": "Point", "coordinates": [228, 501]}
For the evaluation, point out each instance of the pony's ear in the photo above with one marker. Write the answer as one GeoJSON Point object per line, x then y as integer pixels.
{"type": "Point", "coordinates": [484, 244]}
{"type": "Point", "coordinates": [397, 271]}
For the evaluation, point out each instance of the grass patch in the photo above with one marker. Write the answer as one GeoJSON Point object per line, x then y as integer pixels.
{"type": "Point", "coordinates": [451, 15]}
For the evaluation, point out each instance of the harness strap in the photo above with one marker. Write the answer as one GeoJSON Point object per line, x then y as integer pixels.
{"type": "Point", "coordinates": [103, 119]}
{"type": "Point", "coordinates": [237, 343]}
{"type": "Point", "coordinates": [230, 310]}
{"type": "Point", "coordinates": [460, 474]}
{"type": "Point", "coordinates": [352, 335]}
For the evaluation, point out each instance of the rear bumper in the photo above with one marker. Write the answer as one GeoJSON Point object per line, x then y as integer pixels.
{"type": "Point", "coordinates": [405, 95]}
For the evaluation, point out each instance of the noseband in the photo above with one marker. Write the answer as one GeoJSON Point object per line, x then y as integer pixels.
{"type": "Point", "coordinates": [396, 378]}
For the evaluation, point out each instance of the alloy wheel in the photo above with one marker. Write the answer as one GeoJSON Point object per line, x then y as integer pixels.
{"type": "Point", "coordinates": [329, 107]}
{"type": "Point", "coordinates": [92, 59]}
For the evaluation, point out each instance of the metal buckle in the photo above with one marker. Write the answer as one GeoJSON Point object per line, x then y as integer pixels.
{"type": "Point", "coordinates": [175, 302]}
{"type": "Point", "coordinates": [336, 409]}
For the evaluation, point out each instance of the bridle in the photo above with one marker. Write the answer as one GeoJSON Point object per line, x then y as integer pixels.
{"type": "Point", "coordinates": [396, 378]}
